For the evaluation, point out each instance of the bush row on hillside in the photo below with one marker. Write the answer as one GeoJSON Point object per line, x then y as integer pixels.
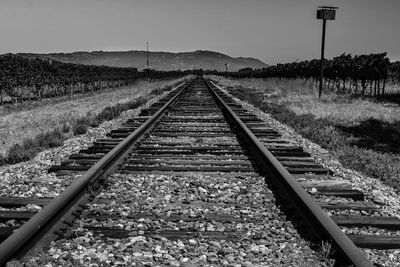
{"type": "Point", "coordinates": [359, 73]}
{"type": "Point", "coordinates": [33, 78]}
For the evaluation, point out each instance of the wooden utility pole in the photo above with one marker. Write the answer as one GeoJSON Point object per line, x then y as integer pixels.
{"type": "Point", "coordinates": [147, 62]}
{"type": "Point", "coordinates": [321, 78]}
{"type": "Point", "coordinates": [325, 13]}
{"type": "Point", "coordinates": [147, 54]}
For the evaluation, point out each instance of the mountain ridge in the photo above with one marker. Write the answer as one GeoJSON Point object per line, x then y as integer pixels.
{"type": "Point", "coordinates": [159, 60]}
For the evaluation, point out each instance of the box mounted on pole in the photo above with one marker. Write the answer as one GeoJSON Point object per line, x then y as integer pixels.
{"type": "Point", "coordinates": [325, 13]}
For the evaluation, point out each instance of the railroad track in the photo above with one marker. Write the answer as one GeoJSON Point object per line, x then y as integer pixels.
{"type": "Point", "coordinates": [194, 130]}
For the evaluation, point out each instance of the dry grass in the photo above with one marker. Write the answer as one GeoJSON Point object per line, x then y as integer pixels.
{"type": "Point", "coordinates": [347, 112]}
{"type": "Point", "coordinates": [370, 147]}
{"type": "Point", "coordinates": [17, 126]}
{"type": "Point", "coordinates": [302, 98]}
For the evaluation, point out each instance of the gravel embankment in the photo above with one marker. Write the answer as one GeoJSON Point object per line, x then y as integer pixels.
{"type": "Point", "coordinates": [268, 240]}
{"type": "Point", "coordinates": [31, 179]}
{"type": "Point", "coordinates": [256, 233]}
{"type": "Point", "coordinates": [373, 188]}
{"type": "Point", "coordinates": [217, 220]}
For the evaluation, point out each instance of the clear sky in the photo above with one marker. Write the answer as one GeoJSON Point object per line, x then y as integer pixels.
{"type": "Point", "coordinates": [271, 30]}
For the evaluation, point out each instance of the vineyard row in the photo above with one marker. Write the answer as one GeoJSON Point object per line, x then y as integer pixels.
{"type": "Point", "coordinates": [362, 74]}
{"type": "Point", "coordinates": [24, 79]}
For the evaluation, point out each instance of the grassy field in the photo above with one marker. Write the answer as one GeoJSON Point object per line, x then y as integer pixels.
{"type": "Point", "coordinates": [25, 122]}
{"type": "Point", "coordinates": [363, 134]}
{"type": "Point", "coordinates": [302, 98]}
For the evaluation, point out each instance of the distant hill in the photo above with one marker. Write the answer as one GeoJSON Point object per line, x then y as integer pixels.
{"type": "Point", "coordinates": [157, 60]}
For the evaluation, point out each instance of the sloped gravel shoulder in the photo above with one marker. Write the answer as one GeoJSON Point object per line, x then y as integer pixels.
{"type": "Point", "coordinates": [372, 187]}
{"type": "Point", "coordinates": [31, 179]}
{"type": "Point", "coordinates": [261, 237]}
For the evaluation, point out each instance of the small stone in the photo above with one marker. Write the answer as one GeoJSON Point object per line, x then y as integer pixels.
{"type": "Point", "coordinates": [224, 262]}
{"type": "Point", "coordinates": [168, 257]}
{"type": "Point", "coordinates": [313, 191]}
{"type": "Point", "coordinates": [254, 248]}
{"type": "Point", "coordinates": [174, 263]}
{"type": "Point", "coordinates": [212, 259]}
{"type": "Point", "coordinates": [147, 255]}
{"type": "Point", "coordinates": [137, 239]}
{"type": "Point", "coordinates": [137, 254]}
{"type": "Point", "coordinates": [264, 242]}
{"type": "Point", "coordinates": [203, 258]}
{"type": "Point", "coordinates": [201, 189]}
{"type": "Point", "coordinates": [180, 244]}
{"type": "Point", "coordinates": [215, 243]}
{"type": "Point", "coordinates": [210, 227]}
{"type": "Point", "coordinates": [230, 258]}
{"type": "Point", "coordinates": [265, 250]}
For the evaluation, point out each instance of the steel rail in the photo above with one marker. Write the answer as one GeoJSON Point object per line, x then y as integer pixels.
{"type": "Point", "coordinates": [42, 223]}
{"type": "Point", "coordinates": [318, 221]}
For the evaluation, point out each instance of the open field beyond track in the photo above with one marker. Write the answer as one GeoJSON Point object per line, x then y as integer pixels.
{"type": "Point", "coordinates": [302, 98]}
{"type": "Point", "coordinates": [18, 125]}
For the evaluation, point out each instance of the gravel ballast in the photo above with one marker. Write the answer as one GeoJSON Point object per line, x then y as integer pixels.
{"type": "Point", "coordinates": [261, 236]}
{"type": "Point", "coordinates": [373, 188]}
{"type": "Point", "coordinates": [268, 240]}
{"type": "Point", "coordinates": [217, 219]}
